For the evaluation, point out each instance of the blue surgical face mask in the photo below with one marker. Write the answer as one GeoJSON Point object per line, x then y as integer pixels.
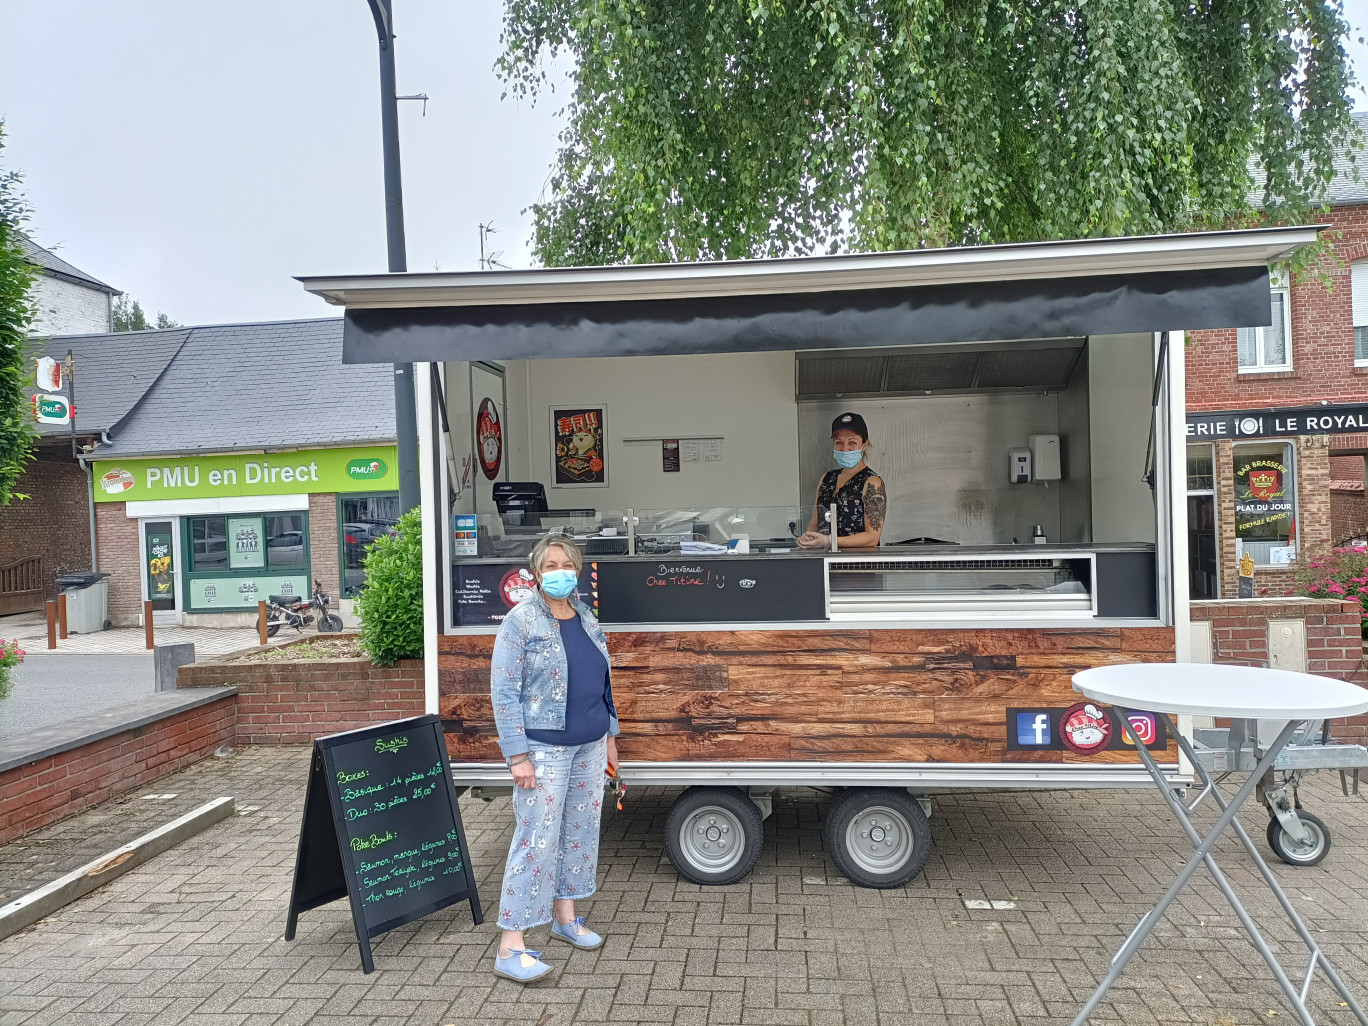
{"type": "Point", "coordinates": [559, 584]}
{"type": "Point", "coordinates": [848, 459]}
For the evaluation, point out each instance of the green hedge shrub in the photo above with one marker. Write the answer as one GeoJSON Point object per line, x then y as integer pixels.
{"type": "Point", "coordinates": [391, 603]}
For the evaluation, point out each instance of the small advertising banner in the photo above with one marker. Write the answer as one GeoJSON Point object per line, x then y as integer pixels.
{"type": "Point", "coordinates": [49, 374]}
{"type": "Point", "coordinates": [51, 409]}
{"type": "Point", "coordinates": [489, 439]}
{"type": "Point", "coordinates": [578, 445]}
{"type": "Point", "coordinates": [1263, 510]}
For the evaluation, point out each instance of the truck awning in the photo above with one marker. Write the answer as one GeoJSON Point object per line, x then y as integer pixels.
{"type": "Point", "coordinates": [965, 294]}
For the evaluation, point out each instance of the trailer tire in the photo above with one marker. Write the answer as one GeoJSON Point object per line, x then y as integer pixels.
{"type": "Point", "coordinates": [1293, 853]}
{"type": "Point", "coordinates": [900, 843]}
{"type": "Point", "coordinates": [713, 835]}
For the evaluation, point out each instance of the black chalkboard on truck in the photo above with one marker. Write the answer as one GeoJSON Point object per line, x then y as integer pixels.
{"type": "Point", "coordinates": [382, 828]}
{"type": "Point", "coordinates": [722, 589]}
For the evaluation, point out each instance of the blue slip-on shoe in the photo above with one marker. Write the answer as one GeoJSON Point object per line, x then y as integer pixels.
{"type": "Point", "coordinates": [520, 966]}
{"type": "Point", "coordinates": [575, 933]}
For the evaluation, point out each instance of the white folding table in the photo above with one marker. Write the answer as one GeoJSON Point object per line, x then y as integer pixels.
{"type": "Point", "coordinates": [1238, 692]}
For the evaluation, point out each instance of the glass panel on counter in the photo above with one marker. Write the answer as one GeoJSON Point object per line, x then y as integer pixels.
{"type": "Point", "coordinates": [496, 536]}
{"type": "Point", "coordinates": [1265, 502]}
{"type": "Point", "coordinates": [720, 530]}
{"type": "Point", "coordinates": [998, 584]}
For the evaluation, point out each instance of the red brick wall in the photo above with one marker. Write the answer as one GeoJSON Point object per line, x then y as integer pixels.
{"type": "Point", "coordinates": [116, 543]}
{"type": "Point", "coordinates": [54, 522]}
{"type": "Point", "coordinates": [287, 703]}
{"type": "Point", "coordinates": [1334, 642]}
{"type": "Point", "coordinates": [1348, 515]}
{"type": "Point", "coordinates": [45, 791]}
{"type": "Point", "coordinates": [1322, 341]}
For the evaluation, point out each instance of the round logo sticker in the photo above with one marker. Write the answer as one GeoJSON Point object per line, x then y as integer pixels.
{"type": "Point", "coordinates": [116, 481]}
{"type": "Point", "coordinates": [517, 586]}
{"type": "Point", "coordinates": [1085, 729]}
{"type": "Point", "coordinates": [489, 438]}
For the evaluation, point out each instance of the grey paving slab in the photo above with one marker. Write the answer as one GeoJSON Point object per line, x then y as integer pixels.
{"type": "Point", "coordinates": [195, 936]}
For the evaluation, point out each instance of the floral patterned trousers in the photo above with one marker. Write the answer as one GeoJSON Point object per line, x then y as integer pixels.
{"type": "Point", "coordinates": [554, 854]}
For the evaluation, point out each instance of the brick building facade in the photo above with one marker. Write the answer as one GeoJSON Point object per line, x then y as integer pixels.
{"type": "Point", "coordinates": [52, 521]}
{"type": "Point", "coordinates": [1261, 480]}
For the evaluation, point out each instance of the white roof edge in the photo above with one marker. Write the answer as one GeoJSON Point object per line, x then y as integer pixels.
{"type": "Point", "coordinates": [1016, 261]}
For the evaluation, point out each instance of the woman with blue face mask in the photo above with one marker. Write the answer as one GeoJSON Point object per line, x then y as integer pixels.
{"type": "Point", "coordinates": [553, 706]}
{"type": "Point", "coordinates": [857, 492]}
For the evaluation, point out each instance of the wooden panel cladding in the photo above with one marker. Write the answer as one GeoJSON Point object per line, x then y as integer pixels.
{"type": "Point", "coordinates": [935, 695]}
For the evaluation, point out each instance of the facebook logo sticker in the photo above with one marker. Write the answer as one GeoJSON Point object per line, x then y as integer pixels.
{"type": "Point", "coordinates": [1033, 728]}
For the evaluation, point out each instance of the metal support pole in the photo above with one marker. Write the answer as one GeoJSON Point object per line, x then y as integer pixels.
{"type": "Point", "coordinates": [405, 409]}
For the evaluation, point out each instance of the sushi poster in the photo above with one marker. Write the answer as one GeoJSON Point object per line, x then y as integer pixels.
{"type": "Point", "coordinates": [579, 452]}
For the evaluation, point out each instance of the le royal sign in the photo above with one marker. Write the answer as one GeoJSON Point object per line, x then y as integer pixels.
{"type": "Point", "coordinates": [1338, 419]}
{"type": "Point", "coordinates": [372, 469]}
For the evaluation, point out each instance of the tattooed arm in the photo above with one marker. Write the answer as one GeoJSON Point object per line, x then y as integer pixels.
{"type": "Point", "coordinates": [876, 510]}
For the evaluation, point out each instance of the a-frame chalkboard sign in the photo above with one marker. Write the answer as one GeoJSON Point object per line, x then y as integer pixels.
{"type": "Point", "coordinates": [382, 828]}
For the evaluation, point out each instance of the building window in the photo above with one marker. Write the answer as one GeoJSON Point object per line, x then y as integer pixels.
{"type": "Point", "coordinates": [1360, 297]}
{"type": "Point", "coordinates": [363, 518]}
{"type": "Point", "coordinates": [208, 543]}
{"type": "Point", "coordinates": [1269, 348]}
{"type": "Point", "coordinates": [1265, 502]}
{"type": "Point", "coordinates": [248, 542]}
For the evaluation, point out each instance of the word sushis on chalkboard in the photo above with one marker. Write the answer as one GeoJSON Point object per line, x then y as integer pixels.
{"type": "Point", "coordinates": [382, 828]}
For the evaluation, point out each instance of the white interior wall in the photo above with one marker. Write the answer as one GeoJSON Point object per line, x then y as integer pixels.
{"type": "Point", "coordinates": [1119, 425]}
{"type": "Point", "coordinates": [747, 398]}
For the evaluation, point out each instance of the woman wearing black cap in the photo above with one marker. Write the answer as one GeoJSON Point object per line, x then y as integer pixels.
{"type": "Point", "coordinates": [857, 491]}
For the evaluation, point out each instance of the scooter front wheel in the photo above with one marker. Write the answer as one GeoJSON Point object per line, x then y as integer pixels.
{"type": "Point", "coordinates": [330, 623]}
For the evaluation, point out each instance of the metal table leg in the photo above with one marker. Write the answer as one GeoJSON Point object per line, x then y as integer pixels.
{"type": "Point", "coordinates": [1202, 855]}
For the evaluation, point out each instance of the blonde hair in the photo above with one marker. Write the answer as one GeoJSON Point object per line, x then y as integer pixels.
{"type": "Point", "coordinates": [564, 542]}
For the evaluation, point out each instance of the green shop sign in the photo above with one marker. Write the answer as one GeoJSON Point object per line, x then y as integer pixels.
{"type": "Point", "coordinates": [276, 473]}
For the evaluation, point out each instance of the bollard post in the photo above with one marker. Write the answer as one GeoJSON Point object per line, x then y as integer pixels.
{"type": "Point", "coordinates": [52, 623]}
{"type": "Point", "coordinates": [147, 623]}
{"type": "Point", "coordinates": [261, 621]}
{"type": "Point", "coordinates": [61, 616]}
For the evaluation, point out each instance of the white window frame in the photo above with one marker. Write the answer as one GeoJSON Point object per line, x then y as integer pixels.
{"type": "Point", "coordinates": [1279, 286]}
{"type": "Point", "coordinates": [1359, 293]}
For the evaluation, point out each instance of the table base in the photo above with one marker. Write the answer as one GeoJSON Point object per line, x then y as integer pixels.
{"type": "Point", "coordinates": [1202, 847]}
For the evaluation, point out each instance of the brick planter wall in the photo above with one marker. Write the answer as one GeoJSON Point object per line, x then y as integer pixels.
{"type": "Point", "coordinates": [1334, 641]}
{"type": "Point", "coordinates": [56, 786]}
{"type": "Point", "coordinates": [292, 702]}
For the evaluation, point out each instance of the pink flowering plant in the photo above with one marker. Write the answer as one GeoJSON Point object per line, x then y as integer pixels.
{"type": "Point", "coordinates": [11, 655]}
{"type": "Point", "coordinates": [1339, 573]}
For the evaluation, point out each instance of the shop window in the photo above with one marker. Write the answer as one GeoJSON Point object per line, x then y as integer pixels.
{"type": "Point", "coordinates": [208, 543]}
{"type": "Point", "coordinates": [362, 518]}
{"type": "Point", "coordinates": [1265, 502]}
{"type": "Point", "coordinates": [1360, 297]}
{"type": "Point", "coordinates": [1269, 348]}
{"type": "Point", "coordinates": [1203, 564]}
{"type": "Point", "coordinates": [285, 540]}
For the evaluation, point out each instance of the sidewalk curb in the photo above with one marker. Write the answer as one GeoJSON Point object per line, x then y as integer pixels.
{"type": "Point", "coordinates": [47, 899]}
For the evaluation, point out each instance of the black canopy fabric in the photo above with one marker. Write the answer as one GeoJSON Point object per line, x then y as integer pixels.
{"type": "Point", "coordinates": [929, 314]}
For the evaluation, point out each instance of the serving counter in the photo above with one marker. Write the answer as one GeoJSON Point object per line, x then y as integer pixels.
{"type": "Point", "coordinates": [885, 586]}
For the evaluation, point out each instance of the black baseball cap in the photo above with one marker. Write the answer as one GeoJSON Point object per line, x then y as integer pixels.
{"type": "Point", "coordinates": [850, 422]}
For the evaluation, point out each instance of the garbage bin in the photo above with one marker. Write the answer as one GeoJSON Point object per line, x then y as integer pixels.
{"type": "Point", "coordinates": [87, 596]}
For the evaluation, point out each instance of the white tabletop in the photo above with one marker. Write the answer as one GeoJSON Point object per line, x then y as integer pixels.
{"type": "Point", "coordinates": [1209, 689]}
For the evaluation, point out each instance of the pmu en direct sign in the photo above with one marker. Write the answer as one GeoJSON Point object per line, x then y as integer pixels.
{"type": "Point", "coordinates": [277, 473]}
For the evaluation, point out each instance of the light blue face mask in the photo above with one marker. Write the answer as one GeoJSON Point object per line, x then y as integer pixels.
{"type": "Point", "coordinates": [559, 584]}
{"type": "Point", "coordinates": [848, 459]}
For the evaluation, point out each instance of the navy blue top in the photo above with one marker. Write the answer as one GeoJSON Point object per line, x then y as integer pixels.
{"type": "Point", "coordinates": [586, 703]}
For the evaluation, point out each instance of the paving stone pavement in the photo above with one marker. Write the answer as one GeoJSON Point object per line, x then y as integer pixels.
{"type": "Point", "coordinates": [195, 936]}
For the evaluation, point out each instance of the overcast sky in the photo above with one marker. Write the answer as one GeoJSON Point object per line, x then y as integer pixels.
{"type": "Point", "coordinates": [198, 155]}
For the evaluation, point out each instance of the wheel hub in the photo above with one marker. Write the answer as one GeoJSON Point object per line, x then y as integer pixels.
{"type": "Point", "coordinates": [711, 839]}
{"type": "Point", "coordinates": [880, 840]}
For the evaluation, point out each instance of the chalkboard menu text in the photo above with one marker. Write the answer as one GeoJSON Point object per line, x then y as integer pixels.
{"type": "Point", "coordinates": [382, 827]}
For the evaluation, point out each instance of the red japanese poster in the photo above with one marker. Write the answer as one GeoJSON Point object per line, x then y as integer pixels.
{"type": "Point", "coordinates": [579, 455]}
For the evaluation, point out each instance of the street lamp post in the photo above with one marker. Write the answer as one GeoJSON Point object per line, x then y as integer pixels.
{"type": "Point", "coordinates": [405, 412]}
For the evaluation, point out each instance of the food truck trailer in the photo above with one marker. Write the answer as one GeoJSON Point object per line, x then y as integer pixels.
{"type": "Point", "coordinates": [1025, 406]}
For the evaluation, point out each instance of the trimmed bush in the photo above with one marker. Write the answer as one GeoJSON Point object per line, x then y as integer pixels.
{"type": "Point", "coordinates": [391, 603]}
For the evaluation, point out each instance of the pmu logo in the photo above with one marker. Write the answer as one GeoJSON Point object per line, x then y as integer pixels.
{"type": "Point", "coordinates": [1146, 728]}
{"type": "Point", "coordinates": [1033, 728]}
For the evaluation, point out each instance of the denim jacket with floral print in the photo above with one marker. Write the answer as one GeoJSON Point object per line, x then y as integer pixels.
{"type": "Point", "coordinates": [530, 676]}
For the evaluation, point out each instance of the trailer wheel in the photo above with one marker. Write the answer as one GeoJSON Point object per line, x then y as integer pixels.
{"type": "Point", "coordinates": [1298, 853]}
{"type": "Point", "coordinates": [878, 837]}
{"type": "Point", "coordinates": [713, 835]}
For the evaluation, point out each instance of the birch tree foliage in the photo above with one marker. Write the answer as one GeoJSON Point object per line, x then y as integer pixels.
{"type": "Point", "coordinates": [710, 129]}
